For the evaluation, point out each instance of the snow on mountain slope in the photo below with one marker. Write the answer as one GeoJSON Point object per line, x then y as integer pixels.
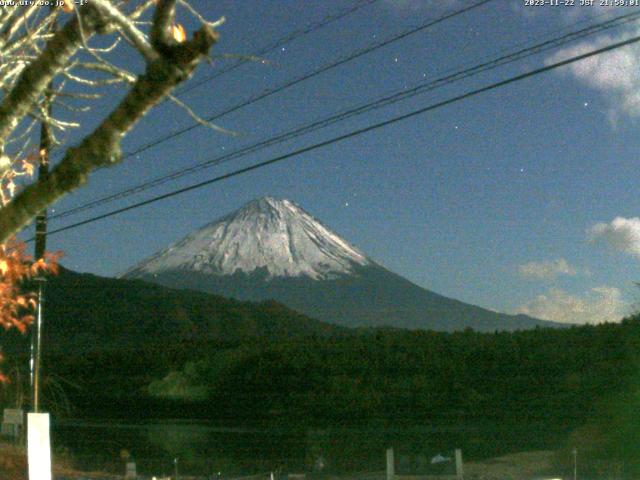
{"type": "Point", "coordinates": [271, 234]}
{"type": "Point", "coordinates": [273, 250]}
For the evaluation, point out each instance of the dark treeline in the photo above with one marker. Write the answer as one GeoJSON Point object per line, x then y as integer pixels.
{"type": "Point", "coordinates": [552, 375]}
{"type": "Point", "coordinates": [579, 384]}
{"type": "Point", "coordinates": [549, 374]}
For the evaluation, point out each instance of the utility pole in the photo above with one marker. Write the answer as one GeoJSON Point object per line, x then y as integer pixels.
{"type": "Point", "coordinates": [575, 463]}
{"type": "Point", "coordinates": [38, 424]}
{"type": "Point", "coordinates": [46, 141]}
{"type": "Point", "coordinates": [40, 247]}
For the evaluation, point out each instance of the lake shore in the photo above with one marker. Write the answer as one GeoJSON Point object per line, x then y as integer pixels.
{"type": "Point", "coordinates": [515, 466]}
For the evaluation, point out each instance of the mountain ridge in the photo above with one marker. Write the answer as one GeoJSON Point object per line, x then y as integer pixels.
{"type": "Point", "coordinates": [87, 313]}
{"type": "Point", "coordinates": [273, 249]}
{"type": "Point", "coordinates": [265, 233]}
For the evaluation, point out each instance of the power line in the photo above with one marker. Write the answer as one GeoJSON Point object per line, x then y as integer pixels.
{"type": "Point", "coordinates": [279, 43]}
{"type": "Point", "coordinates": [357, 132]}
{"type": "Point", "coordinates": [397, 96]}
{"type": "Point", "coordinates": [307, 76]}
{"type": "Point", "coordinates": [300, 79]}
{"type": "Point", "coordinates": [294, 35]}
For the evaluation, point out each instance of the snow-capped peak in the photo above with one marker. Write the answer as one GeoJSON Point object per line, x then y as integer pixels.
{"type": "Point", "coordinates": [271, 234]}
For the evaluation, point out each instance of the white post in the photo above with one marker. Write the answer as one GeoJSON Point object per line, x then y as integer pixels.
{"type": "Point", "coordinates": [459, 470]}
{"type": "Point", "coordinates": [38, 446]}
{"type": "Point", "coordinates": [390, 464]}
{"type": "Point", "coordinates": [130, 470]}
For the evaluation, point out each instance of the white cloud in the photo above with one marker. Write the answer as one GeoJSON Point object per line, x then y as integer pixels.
{"type": "Point", "coordinates": [546, 270]}
{"type": "Point", "coordinates": [600, 304]}
{"type": "Point", "coordinates": [623, 234]}
{"type": "Point", "coordinates": [613, 73]}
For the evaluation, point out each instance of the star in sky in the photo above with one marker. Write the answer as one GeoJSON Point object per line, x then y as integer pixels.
{"type": "Point", "coordinates": [497, 145]}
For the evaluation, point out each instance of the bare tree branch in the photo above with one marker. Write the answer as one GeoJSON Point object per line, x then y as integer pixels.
{"type": "Point", "coordinates": [128, 28]}
{"type": "Point", "coordinates": [110, 69]}
{"type": "Point", "coordinates": [196, 14]}
{"type": "Point", "coordinates": [102, 147]}
{"type": "Point", "coordinates": [18, 19]}
{"type": "Point", "coordinates": [43, 25]}
{"type": "Point", "coordinates": [137, 13]}
{"type": "Point", "coordinates": [198, 118]}
{"type": "Point", "coordinates": [35, 78]}
{"type": "Point", "coordinates": [163, 19]}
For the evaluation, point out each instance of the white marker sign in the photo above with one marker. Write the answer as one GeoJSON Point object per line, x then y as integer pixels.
{"type": "Point", "coordinates": [39, 446]}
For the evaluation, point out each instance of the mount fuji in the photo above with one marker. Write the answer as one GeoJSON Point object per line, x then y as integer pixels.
{"type": "Point", "coordinates": [273, 249]}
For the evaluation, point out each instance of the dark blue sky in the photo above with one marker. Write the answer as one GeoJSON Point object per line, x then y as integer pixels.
{"type": "Point", "coordinates": [506, 200]}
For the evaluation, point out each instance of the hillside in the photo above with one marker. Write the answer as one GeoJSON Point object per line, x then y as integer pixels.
{"type": "Point", "coordinates": [105, 339]}
{"type": "Point", "coordinates": [85, 312]}
{"type": "Point", "coordinates": [274, 249]}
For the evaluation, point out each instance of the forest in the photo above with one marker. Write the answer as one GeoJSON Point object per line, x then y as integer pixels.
{"type": "Point", "coordinates": [148, 352]}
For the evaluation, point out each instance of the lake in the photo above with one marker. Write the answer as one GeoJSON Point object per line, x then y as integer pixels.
{"type": "Point", "coordinates": [205, 448]}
